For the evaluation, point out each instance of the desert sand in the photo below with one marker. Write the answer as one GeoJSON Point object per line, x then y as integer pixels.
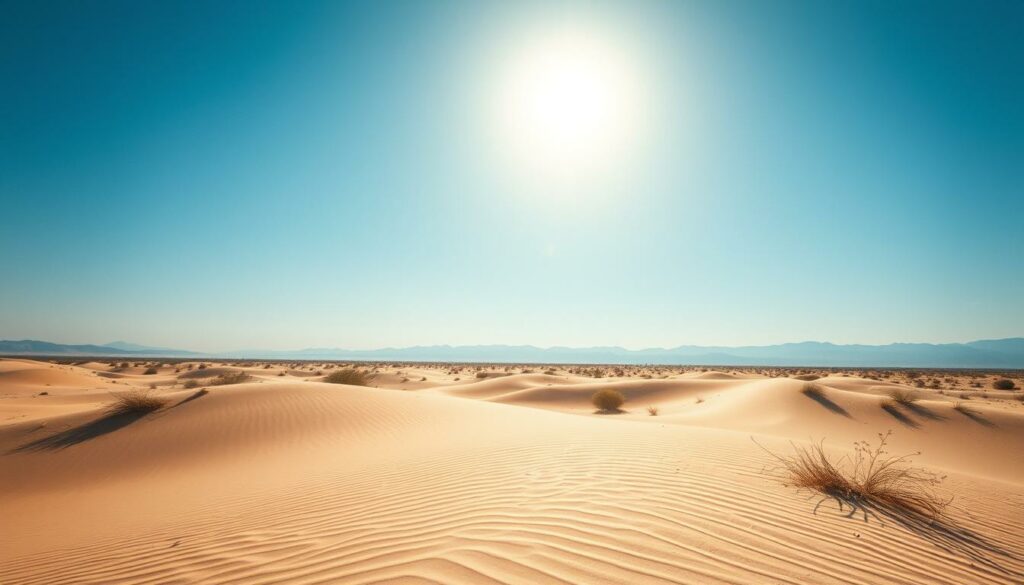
{"type": "Point", "coordinates": [466, 474]}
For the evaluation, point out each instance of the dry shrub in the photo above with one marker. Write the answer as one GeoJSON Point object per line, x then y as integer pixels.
{"type": "Point", "coordinates": [230, 378]}
{"type": "Point", "coordinates": [903, 396]}
{"type": "Point", "coordinates": [191, 383]}
{"type": "Point", "coordinates": [870, 477]}
{"type": "Point", "coordinates": [136, 402]}
{"type": "Point", "coordinates": [961, 407]}
{"type": "Point", "coordinates": [350, 376]}
{"type": "Point", "coordinates": [150, 371]}
{"type": "Point", "coordinates": [652, 410]}
{"type": "Point", "coordinates": [1003, 384]}
{"type": "Point", "coordinates": [608, 400]}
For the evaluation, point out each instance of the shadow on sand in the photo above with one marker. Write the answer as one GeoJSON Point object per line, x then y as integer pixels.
{"type": "Point", "coordinates": [975, 416]}
{"type": "Point", "coordinates": [73, 436]}
{"type": "Point", "coordinates": [923, 411]}
{"type": "Point", "coordinates": [895, 412]}
{"type": "Point", "coordinates": [195, 395]}
{"type": "Point", "coordinates": [820, 398]}
{"type": "Point", "coordinates": [92, 429]}
{"type": "Point", "coordinates": [941, 532]}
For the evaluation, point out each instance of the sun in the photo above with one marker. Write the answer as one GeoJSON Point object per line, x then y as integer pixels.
{"type": "Point", "coordinates": [567, 103]}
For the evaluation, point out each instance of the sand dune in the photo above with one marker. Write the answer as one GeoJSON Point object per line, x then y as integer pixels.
{"type": "Point", "coordinates": [509, 479]}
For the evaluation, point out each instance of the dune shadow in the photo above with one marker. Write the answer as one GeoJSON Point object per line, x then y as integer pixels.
{"type": "Point", "coordinates": [942, 532]}
{"type": "Point", "coordinates": [923, 411]}
{"type": "Point", "coordinates": [194, 396]}
{"type": "Point", "coordinates": [825, 401]}
{"type": "Point", "coordinates": [108, 423]}
{"type": "Point", "coordinates": [975, 416]}
{"type": "Point", "coordinates": [894, 411]}
{"type": "Point", "coordinates": [84, 432]}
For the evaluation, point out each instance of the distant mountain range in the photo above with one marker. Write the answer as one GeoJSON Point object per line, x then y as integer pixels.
{"type": "Point", "coordinates": [993, 353]}
{"type": "Point", "coordinates": [113, 349]}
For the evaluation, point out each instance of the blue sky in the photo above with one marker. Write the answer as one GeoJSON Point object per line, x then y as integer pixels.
{"type": "Point", "coordinates": [232, 175]}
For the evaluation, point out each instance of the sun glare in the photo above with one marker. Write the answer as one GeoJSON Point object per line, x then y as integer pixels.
{"type": "Point", "coordinates": [567, 103]}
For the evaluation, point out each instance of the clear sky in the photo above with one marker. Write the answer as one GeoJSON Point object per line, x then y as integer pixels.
{"type": "Point", "coordinates": [222, 175]}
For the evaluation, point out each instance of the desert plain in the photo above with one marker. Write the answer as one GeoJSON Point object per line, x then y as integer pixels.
{"type": "Point", "coordinates": [268, 472]}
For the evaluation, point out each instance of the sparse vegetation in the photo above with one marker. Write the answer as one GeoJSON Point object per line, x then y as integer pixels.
{"type": "Point", "coordinates": [150, 371]}
{"type": "Point", "coordinates": [871, 477]}
{"type": "Point", "coordinates": [230, 378]}
{"type": "Point", "coordinates": [961, 407]}
{"type": "Point", "coordinates": [350, 376]}
{"type": "Point", "coordinates": [136, 402]}
{"type": "Point", "coordinates": [189, 384]}
{"type": "Point", "coordinates": [1003, 384]}
{"type": "Point", "coordinates": [608, 400]}
{"type": "Point", "coordinates": [652, 410]}
{"type": "Point", "coordinates": [903, 396]}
